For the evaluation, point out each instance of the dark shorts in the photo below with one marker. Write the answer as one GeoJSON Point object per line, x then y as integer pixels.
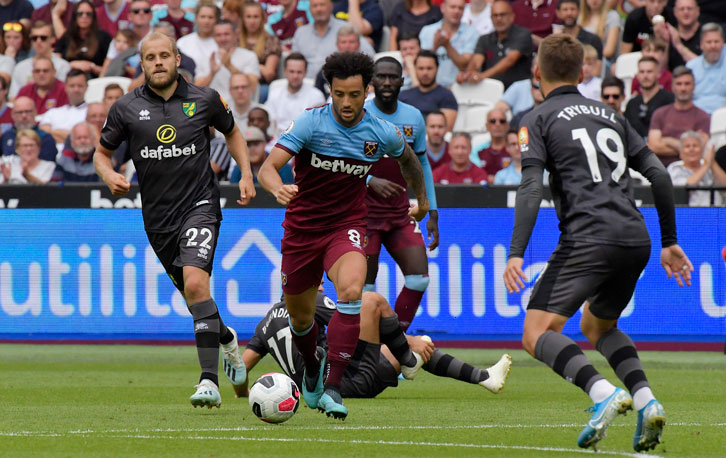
{"type": "Point", "coordinates": [368, 373]}
{"type": "Point", "coordinates": [394, 236]}
{"type": "Point", "coordinates": [604, 275]}
{"type": "Point", "coordinates": [306, 255]}
{"type": "Point", "coordinates": [193, 244]}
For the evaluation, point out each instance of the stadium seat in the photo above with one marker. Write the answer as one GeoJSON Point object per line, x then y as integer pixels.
{"type": "Point", "coordinates": [395, 54]}
{"type": "Point", "coordinates": [96, 86]}
{"type": "Point", "coordinates": [625, 68]}
{"type": "Point", "coordinates": [472, 118]}
{"type": "Point", "coordinates": [486, 92]}
{"type": "Point", "coordinates": [385, 38]}
{"type": "Point", "coordinates": [718, 127]}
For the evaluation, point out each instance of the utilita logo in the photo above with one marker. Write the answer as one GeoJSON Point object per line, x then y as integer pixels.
{"type": "Point", "coordinates": [339, 165]}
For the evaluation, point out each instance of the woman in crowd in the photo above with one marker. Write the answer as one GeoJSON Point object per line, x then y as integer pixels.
{"type": "Point", "coordinates": [84, 44]}
{"type": "Point", "coordinates": [17, 41]}
{"type": "Point", "coordinates": [232, 11]}
{"type": "Point", "coordinates": [26, 166]}
{"type": "Point", "coordinates": [409, 17]}
{"type": "Point", "coordinates": [597, 17]}
{"type": "Point", "coordinates": [254, 37]}
{"type": "Point", "coordinates": [697, 168]}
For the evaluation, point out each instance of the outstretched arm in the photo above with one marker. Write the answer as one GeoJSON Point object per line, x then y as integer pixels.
{"type": "Point", "coordinates": [250, 358]}
{"type": "Point", "coordinates": [413, 174]}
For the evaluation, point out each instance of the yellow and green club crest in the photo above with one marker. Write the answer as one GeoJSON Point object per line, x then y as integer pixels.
{"type": "Point", "coordinates": [189, 108]}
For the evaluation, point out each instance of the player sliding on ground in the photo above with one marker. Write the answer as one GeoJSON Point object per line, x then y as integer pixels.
{"type": "Point", "coordinates": [334, 147]}
{"type": "Point", "coordinates": [382, 351]}
{"type": "Point", "coordinates": [604, 245]}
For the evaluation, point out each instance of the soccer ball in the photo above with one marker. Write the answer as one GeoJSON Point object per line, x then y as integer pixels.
{"type": "Point", "coordinates": [274, 398]}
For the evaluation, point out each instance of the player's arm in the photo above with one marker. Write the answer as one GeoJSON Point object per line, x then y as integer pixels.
{"type": "Point", "coordinates": [237, 147]}
{"type": "Point", "coordinates": [432, 225]}
{"type": "Point", "coordinates": [104, 169]}
{"type": "Point", "coordinates": [529, 197]}
{"type": "Point", "coordinates": [250, 358]}
{"type": "Point", "coordinates": [269, 177]}
{"type": "Point", "coordinates": [413, 174]}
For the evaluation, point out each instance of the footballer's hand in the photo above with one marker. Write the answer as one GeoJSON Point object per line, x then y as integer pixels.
{"type": "Point", "coordinates": [514, 277]}
{"type": "Point", "coordinates": [432, 229]}
{"type": "Point", "coordinates": [422, 347]}
{"type": "Point", "coordinates": [418, 211]}
{"type": "Point", "coordinates": [247, 190]}
{"type": "Point", "coordinates": [676, 264]}
{"type": "Point", "coordinates": [285, 194]}
{"type": "Point", "coordinates": [117, 184]}
{"type": "Point", "coordinates": [385, 188]}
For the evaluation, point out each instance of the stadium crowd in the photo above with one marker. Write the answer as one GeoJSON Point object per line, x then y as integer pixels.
{"type": "Point", "coordinates": [467, 67]}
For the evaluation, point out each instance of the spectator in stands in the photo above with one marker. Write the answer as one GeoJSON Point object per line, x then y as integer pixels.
{"type": "Point", "coordinates": [113, 15]}
{"type": "Point", "coordinates": [200, 45]}
{"type": "Point", "coordinates": [518, 96]}
{"type": "Point", "coordinates": [256, 146]}
{"type": "Point", "coordinates": [187, 63]}
{"type": "Point", "coordinates": [429, 95]}
{"type": "Point", "coordinates": [96, 113]}
{"type": "Point", "coordinates": [410, 46]}
{"type": "Point", "coordinates": [17, 42]}
{"type": "Point", "coordinates": [225, 60]}
{"type": "Point", "coordinates": [658, 50]}
{"type": "Point", "coordinates": [590, 84]}
{"type": "Point", "coordinates": [286, 22]}
{"type": "Point", "coordinates": [16, 11]}
{"type": "Point", "coordinates": [23, 115]}
{"type": "Point", "coordinates": [127, 57]}
{"type": "Point", "coordinates": [348, 40]}
{"type": "Point", "coordinates": [639, 25]}
{"type": "Point", "coordinates": [495, 157]}
{"type": "Point", "coordinates": [568, 12]}
{"type": "Point", "coordinates": [478, 14]}
{"type": "Point", "coordinates": [6, 119]}
{"type": "Point", "coordinates": [84, 44]}
{"type": "Point", "coordinates": [409, 17]}
{"type": "Point", "coordinates": [685, 38]}
{"type": "Point", "coordinates": [52, 13]}
{"type": "Point", "coordinates": [612, 92]}
{"type": "Point", "coordinates": [254, 37]}
{"type": "Point", "coordinates": [111, 94]}
{"type": "Point", "coordinates": [697, 167]}
{"type": "Point", "coordinates": [512, 175]}
{"type": "Point", "coordinates": [259, 117]}
{"type": "Point", "coordinates": [26, 166]}
{"type": "Point", "coordinates": [241, 89]}
{"type": "Point", "coordinates": [287, 102]}
{"type": "Point", "coordinates": [597, 17]}
{"type": "Point", "coordinates": [460, 170]}
{"type": "Point", "coordinates": [76, 164]}
{"type": "Point", "coordinates": [365, 15]}
{"type": "Point", "coordinates": [640, 108]}
{"type": "Point", "coordinates": [42, 40]}
{"type": "Point", "coordinates": [172, 12]}
{"type": "Point", "coordinates": [709, 70]}
{"type": "Point", "coordinates": [503, 54]}
{"type": "Point", "coordinates": [537, 98]}
{"type": "Point", "coordinates": [436, 147]}
{"type": "Point", "coordinates": [59, 121]}
{"type": "Point", "coordinates": [140, 17]}
{"type": "Point", "coordinates": [318, 40]}
{"type": "Point", "coordinates": [46, 90]}
{"type": "Point", "coordinates": [535, 16]}
{"type": "Point", "coordinates": [671, 121]}
{"type": "Point", "coordinates": [232, 11]}
{"type": "Point", "coordinates": [452, 41]}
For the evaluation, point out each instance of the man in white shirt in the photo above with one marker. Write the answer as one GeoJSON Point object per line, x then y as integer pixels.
{"type": "Point", "coordinates": [287, 102]}
{"type": "Point", "coordinates": [241, 90]}
{"type": "Point", "coordinates": [200, 44]}
{"type": "Point", "coordinates": [226, 60]}
{"type": "Point", "coordinates": [59, 121]}
{"type": "Point", "coordinates": [42, 40]}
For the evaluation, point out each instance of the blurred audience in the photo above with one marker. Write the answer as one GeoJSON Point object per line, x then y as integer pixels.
{"type": "Point", "coordinates": [84, 45]}
{"type": "Point", "coordinates": [288, 101]}
{"type": "Point", "coordinates": [437, 149]}
{"type": "Point", "coordinates": [612, 92]}
{"type": "Point", "coordinates": [266, 46]}
{"type": "Point", "coordinates": [512, 174]}
{"type": "Point", "coordinates": [42, 40]}
{"type": "Point", "coordinates": [26, 166]}
{"type": "Point", "coordinates": [591, 84]}
{"type": "Point", "coordinates": [460, 170]}
{"type": "Point", "coordinates": [697, 167]}
{"type": "Point", "coordinates": [639, 24]}
{"type": "Point", "coordinates": [59, 121]}
{"type": "Point", "coordinates": [75, 164]}
{"type": "Point", "coordinates": [709, 70]}
{"type": "Point", "coordinates": [365, 15]}
{"type": "Point", "coordinates": [409, 17]}
{"type": "Point", "coordinates": [658, 50]}
{"type": "Point", "coordinates": [640, 108]}
{"type": "Point", "coordinates": [46, 90]}
{"type": "Point", "coordinates": [495, 156]}
{"type": "Point", "coordinates": [23, 115]}
{"type": "Point", "coordinates": [429, 95]}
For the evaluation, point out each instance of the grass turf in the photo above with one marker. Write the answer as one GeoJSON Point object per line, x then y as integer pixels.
{"type": "Point", "coordinates": [133, 401]}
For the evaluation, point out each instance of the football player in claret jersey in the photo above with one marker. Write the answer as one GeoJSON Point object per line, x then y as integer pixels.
{"type": "Point", "coordinates": [604, 245]}
{"type": "Point", "coordinates": [166, 123]}
{"type": "Point", "coordinates": [334, 147]}
{"type": "Point", "coordinates": [388, 222]}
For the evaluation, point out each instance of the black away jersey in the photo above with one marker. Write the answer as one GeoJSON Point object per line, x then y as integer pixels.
{"type": "Point", "coordinates": [169, 144]}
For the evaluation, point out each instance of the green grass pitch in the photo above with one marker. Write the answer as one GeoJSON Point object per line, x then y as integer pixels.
{"type": "Point", "coordinates": [120, 401]}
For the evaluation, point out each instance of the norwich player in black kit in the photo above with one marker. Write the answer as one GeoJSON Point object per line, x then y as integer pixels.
{"type": "Point", "coordinates": [603, 247]}
{"type": "Point", "coordinates": [166, 123]}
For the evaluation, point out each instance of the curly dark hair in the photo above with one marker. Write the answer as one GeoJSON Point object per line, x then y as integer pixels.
{"type": "Point", "coordinates": [343, 65]}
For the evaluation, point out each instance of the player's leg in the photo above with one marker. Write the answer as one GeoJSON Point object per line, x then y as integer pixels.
{"type": "Point", "coordinates": [373, 250]}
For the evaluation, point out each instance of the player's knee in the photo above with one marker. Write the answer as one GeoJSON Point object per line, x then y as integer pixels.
{"type": "Point", "coordinates": [529, 342]}
{"type": "Point", "coordinates": [196, 288]}
{"type": "Point", "coordinates": [416, 282]}
{"type": "Point", "coordinates": [350, 292]}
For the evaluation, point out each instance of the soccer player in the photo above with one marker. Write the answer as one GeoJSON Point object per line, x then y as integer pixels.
{"type": "Point", "coordinates": [388, 221]}
{"type": "Point", "coordinates": [166, 123]}
{"type": "Point", "coordinates": [604, 245]}
{"type": "Point", "coordinates": [334, 147]}
{"type": "Point", "coordinates": [382, 351]}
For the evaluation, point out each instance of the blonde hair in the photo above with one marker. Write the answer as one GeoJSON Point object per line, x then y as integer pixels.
{"type": "Point", "coordinates": [261, 38]}
{"type": "Point", "coordinates": [590, 52]}
{"type": "Point", "coordinates": [27, 133]}
{"type": "Point", "coordinates": [586, 13]}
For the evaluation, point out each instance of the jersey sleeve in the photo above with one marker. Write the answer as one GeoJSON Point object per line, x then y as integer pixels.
{"type": "Point", "coordinates": [324, 310]}
{"type": "Point", "coordinates": [221, 115]}
{"type": "Point", "coordinates": [393, 140]}
{"type": "Point", "coordinates": [114, 129]}
{"type": "Point", "coordinates": [635, 142]}
{"type": "Point", "coordinates": [257, 342]}
{"type": "Point", "coordinates": [298, 133]}
{"type": "Point", "coordinates": [419, 142]}
{"type": "Point", "coordinates": [531, 143]}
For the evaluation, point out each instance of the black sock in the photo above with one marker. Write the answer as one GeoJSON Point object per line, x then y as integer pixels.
{"type": "Point", "coordinates": [206, 333]}
{"type": "Point", "coordinates": [620, 352]}
{"type": "Point", "coordinates": [394, 338]}
{"type": "Point", "coordinates": [563, 355]}
{"type": "Point", "coordinates": [225, 335]}
{"type": "Point", "coordinates": [445, 365]}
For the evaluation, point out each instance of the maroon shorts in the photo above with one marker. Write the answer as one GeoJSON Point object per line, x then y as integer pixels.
{"type": "Point", "coordinates": [396, 237]}
{"type": "Point", "coordinates": [306, 255]}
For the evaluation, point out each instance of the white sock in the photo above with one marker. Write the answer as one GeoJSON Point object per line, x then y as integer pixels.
{"type": "Point", "coordinates": [600, 390]}
{"type": "Point", "coordinates": [642, 397]}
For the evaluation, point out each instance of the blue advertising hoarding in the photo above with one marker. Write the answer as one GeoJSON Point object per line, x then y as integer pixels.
{"type": "Point", "coordinates": [90, 274]}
